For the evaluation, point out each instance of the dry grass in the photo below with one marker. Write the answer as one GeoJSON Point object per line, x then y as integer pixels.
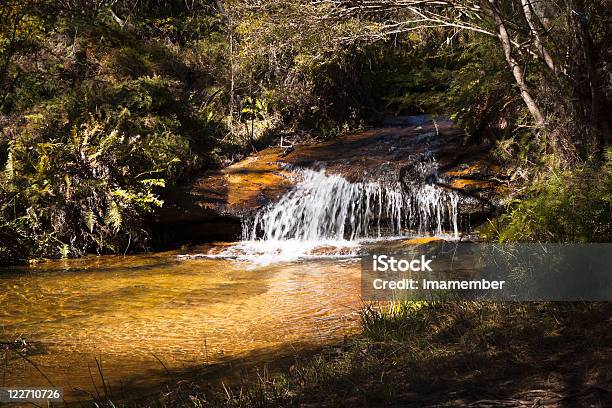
{"type": "Point", "coordinates": [445, 354]}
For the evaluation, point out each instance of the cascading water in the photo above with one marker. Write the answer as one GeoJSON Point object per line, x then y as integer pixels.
{"type": "Point", "coordinates": [327, 207]}
{"type": "Point", "coordinates": [325, 215]}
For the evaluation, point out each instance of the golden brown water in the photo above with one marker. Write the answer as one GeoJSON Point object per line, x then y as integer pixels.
{"type": "Point", "coordinates": [137, 314]}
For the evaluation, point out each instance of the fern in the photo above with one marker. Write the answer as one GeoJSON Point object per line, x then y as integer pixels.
{"type": "Point", "coordinates": [9, 169]}
{"type": "Point", "coordinates": [74, 137]}
{"type": "Point", "coordinates": [113, 217]}
{"type": "Point", "coordinates": [64, 251]}
{"type": "Point", "coordinates": [68, 186]}
{"type": "Point", "coordinates": [90, 220]}
{"type": "Point", "coordinates": [153, 182]}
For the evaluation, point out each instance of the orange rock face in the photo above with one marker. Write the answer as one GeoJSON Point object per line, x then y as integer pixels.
{"type": "Point", "coordinates": [245, 185]}
{"type": "Point", "coordinates": [422, 240]}
{"type": "Point", "coordinates": [381, 154]}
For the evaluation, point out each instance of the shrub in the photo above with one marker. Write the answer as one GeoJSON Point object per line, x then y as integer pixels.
{"type": "Point", "coordinates": [87, 189]}
{"type": "Point", "coordinates": [569, 206]}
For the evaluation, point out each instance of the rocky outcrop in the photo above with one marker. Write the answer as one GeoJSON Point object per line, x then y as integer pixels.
{"type": "Point", "coordinates": [210, 208]}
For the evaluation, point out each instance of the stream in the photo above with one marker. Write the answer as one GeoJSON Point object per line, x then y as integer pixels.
{"type": "Point", "coordinates": [146, 318]}
{"type": "Point", "coordinates": [291, 284]}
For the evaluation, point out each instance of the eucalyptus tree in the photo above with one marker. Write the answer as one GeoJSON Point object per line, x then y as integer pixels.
{"type": "Point", "coordinates": [554, 49]}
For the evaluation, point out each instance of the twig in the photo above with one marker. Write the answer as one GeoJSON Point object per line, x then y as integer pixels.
{"type": "Point", "coordinates": [162, 363]}
{"type": "Point", "coordinates": [36, 367]}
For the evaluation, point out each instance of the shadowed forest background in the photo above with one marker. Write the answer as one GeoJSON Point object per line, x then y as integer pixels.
{"type": "Point", "coordinates": [106, 105]}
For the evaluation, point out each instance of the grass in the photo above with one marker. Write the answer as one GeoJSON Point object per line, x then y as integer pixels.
{"type": "Point", "coordinates": [436, 354]}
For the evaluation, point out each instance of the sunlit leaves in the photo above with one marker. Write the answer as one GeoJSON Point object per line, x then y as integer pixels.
{"type": "Point", "coordinates": [90, 220]}
{"type": "Point", "coordinates": [113, 217]}
{"type": "Point", "coordinates": [91, 187]}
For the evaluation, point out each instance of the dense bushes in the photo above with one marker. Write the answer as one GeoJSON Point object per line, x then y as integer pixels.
{"type": "Point", "coordinates": [568, 206]}
{"type": "Point", "coordinates": [68, 191]}
{"type": "Point", "coordinates": [96, 122]}
{"type": "Point", "coordinates": [85, 166]}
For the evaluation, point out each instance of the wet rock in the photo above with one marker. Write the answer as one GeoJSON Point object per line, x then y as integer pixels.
{"type": "Point", "coordinates": [210, 208]}
{"type": "Point", "coordinates": [422, 240]}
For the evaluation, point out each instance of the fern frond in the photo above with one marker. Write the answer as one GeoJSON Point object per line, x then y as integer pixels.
{"type": "Point", "coordinates": [90, 220]}
{"type": "Point", "coordinates": [68, 186]}
{"type": "Point", "coordinates": [9, 169]}
{"type": "Point", "coordinates": [113, 217]}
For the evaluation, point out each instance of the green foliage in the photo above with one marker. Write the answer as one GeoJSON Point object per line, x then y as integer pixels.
{"type": "Point", "coordinates": [128, 62]}
{"type": "Point", "coordinates": [569, 206]}
{"type": "Point", "coordinates": [88, 189]}
{"type": "Point", "coordinates": [22, 29]}
{"type": "Point", "coordinates": [98, 120]}
{"type": "Point", "coordinates": [398, 321]}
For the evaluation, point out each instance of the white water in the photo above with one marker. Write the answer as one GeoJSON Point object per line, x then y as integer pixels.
{"type": "Point", "coordinates": [327, 207]}
{"type": "Point", "coordinates": [326, 216]}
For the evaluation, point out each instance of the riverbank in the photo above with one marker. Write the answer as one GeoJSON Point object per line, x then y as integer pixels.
{"type": "Point", "coordinates": [444, 354]}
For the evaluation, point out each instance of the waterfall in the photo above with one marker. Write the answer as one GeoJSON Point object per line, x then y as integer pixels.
{"type": "Point", "coordinates": [327, 207]}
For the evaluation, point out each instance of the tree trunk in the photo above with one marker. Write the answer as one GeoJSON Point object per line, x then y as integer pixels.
{"type": "Point", "coordinates": [599, 117]}
{"type": "Point", "coordinates": [527, 11]}
{"type": "Point", "coordinates": [517, 71]}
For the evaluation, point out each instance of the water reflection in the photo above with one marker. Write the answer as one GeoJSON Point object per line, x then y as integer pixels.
{"type": "Point", "coordinates": [135, 312]}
